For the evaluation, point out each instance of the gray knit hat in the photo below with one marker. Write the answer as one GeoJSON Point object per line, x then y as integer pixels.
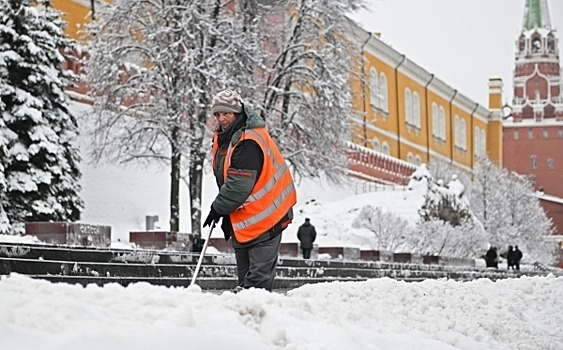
{"type": "Point", "coordinates": [226, 101]}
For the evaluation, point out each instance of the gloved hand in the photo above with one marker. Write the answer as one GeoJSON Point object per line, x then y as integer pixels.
{"type": "Point", "coordinates": [227, 227]}
{"type": "Point", "coordinates": [212, 217]}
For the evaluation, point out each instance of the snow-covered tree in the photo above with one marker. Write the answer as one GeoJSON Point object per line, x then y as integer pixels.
{"type": "Point", "coordinates": [40, 158]}
{"type": "Point", "coordinates": [439, 237]}
{"type": "Point", "coordinates": [506, 205]}
{"type": "Point", "coordinates": [390, 232]}
{"type": "Point", "coordinates": [154, 67]}
{"type": "Point", "coordinates": [510, 211]}
{"type": "Point", "coordinates": [308, 100]}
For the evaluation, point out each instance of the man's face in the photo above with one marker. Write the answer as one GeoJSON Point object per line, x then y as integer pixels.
{"type": "Point", "coordinates": [225, 119]}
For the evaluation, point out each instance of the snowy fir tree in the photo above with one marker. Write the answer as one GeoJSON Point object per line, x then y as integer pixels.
{"type": "Point", "coordinates": [40, 162]}
{"type": "Point", "coordinates": [155, 66]}
{"type": "Point", "coordinates": [447, 226]}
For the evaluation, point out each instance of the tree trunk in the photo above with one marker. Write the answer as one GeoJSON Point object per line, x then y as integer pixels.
{"type": "Point", "coordinates": [196, 177]}
{"type": "Point", "coordinates": [175, 164]}
{"type": "Point", "coordinates": [197, 158]}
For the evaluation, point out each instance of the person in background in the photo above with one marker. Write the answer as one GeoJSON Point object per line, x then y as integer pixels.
{"type": "Point", "coordinates": [510, 257]}
{"type": "Point", "coordinates": [256, 191]}
{"type": "Point", "coordinates": [517, 257]}
{"type": "Point", "coordinates": [491, 257]}
{"type": "Point", "coordinates": [306, 235]}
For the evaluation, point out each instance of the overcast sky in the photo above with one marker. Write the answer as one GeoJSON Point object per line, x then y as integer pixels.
{"type": "Point", "coordinates": [462, 42]}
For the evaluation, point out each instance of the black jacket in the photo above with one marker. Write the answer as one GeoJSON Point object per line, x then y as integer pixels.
{"type": "Point", "coordinates": [307, 235]}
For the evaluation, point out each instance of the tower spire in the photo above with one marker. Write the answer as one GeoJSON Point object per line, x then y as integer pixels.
{"type": "Point", "coordinates": [536, 15]}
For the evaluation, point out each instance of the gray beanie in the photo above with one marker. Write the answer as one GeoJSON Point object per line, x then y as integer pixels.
{"type": "Point", "coordinates": [226, 101]}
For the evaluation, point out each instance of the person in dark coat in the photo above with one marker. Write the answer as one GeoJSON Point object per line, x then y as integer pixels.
{"type": "Point", "coordinates": [491, 257]}
{"type": "Point", "coordinates": [307, 235]}
{"type": "Point", "coordinates": [510, 257]}
{"type": "Point", "coordinates": [517, 257]}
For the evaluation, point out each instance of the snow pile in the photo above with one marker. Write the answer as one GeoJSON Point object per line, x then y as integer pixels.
{"type": "Point", "coordinates": [377, 314]}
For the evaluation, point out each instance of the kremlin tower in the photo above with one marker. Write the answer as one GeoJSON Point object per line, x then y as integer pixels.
{"type": "Point", "coordinates": [533, 125]}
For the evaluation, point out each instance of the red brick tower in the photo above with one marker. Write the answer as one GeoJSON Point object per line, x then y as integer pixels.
{"type": "Point", "coordinates": [533, 132]}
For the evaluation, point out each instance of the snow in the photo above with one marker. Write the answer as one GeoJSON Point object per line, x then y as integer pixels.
{"type": "Point", "coordinates": [377, 314]}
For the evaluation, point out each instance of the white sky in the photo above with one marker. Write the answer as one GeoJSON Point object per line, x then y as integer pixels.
{"type": "Point", "coordinates": [462, 42]}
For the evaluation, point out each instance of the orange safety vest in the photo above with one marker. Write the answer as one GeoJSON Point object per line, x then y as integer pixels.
{"type": "Point", "coordinates": [273, 194]}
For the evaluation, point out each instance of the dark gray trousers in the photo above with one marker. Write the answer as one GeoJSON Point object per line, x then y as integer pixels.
{"type": "Point", "coordinates": [256, 265]}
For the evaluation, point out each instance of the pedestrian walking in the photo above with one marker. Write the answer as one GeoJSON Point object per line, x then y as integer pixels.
{"type": "Point", "coordinates": [256, 191]}
{"type": "Point", "coordinates": [306, 235]}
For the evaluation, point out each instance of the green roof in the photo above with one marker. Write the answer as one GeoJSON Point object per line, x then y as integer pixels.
{"type": "Point", "coordinates": [536, 15]}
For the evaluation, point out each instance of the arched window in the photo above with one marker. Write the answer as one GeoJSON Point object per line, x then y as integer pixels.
{"type": "Point", "coordinates": [416, 109]}
{"type": "Point", "coordinates": [534, 162]}
{"type": "Point", "coordinates": [457, 131]}
{"type": "Point", "coordinates": [417, 160]}
{"type": "Point", "coordinates": [435, 122]}
{"type": "Point", "coordinates": [551, 164]}
{"type": "Point", "coordinates": [383, 95]}
{"type": "Point", "coordinates": [410, 158]}
{"type": "Point", "coordinates": [376, 145]}
{"type": "Point", "coordinates": [463, 135]}
{"type": "Point", "coordinates": [385, 148]}
{"type": "Point", "coordinates": [480, 143]}
{"type": "Point", "coordinates": [408, 107]}
{"type": "Point", "coordinates": [374, 88]}
{"type": "Point", "coordinates": [442, 118]}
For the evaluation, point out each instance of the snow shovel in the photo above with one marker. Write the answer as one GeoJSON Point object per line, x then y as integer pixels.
{"type": "Point", "coordinates": [202, 254]}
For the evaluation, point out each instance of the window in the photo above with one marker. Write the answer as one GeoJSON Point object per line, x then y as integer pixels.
{"type": "Point", "coordinates": [560, 133]}
{"type": "Point", "coordinates": [417, 160]}
{"type": "Point", "coordinates": [442, 119]}
{"type": "Point", "coordinates": [530, 134]}
{"type": "Point", "coordinates": [385, 148]}
{"type": "Point", "coordinates": [410, 158]}
{"type": "Point", "coordinates": [383, 96]}
{"type": "Point", "coordinates": [545, 133]}
{"type": "Point", "coordinates": [376, 145]}
{"type": "Point", "coordinates": [516, 135]}
{"type": "Point", "coordinates": [463, 143]}
{"type": "Point", "coordinates": [534, 162]}
{"type": "Point", "coordinates": [408, 107]}
{"type": "Point", "coordinates": [551, 164]}
{"type": "Point", "coordinates": [457, 131]}
{"type": "Point", "coordinates": [480, 143]}
{"type": "Point", "coordinates": [374, 88]}
{"type": "Point", "coordinates": [412, 109]}
{"type": "Point", "coordinates": [460, 134]}
{"type": "Point", "coordinates": [416, 109]}
{"type": "Point", "coordinates": [435, 124]}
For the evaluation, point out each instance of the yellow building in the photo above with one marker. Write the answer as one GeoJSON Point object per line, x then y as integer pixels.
{"type": "Point", "coordinates": [407, 112]}
{"type": "Point", "coordinates": [410, 114]}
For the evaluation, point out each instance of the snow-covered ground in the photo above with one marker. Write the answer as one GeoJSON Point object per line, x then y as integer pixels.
{"type": "Point", "coordinates": [381, 314]}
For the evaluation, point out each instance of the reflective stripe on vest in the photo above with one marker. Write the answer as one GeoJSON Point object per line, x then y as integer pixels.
{"type": "Point", "coordinates": [273, 194]}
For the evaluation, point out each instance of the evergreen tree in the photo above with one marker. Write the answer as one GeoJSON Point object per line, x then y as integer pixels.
{"type": "Point", "coordinates": [40, 158]}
